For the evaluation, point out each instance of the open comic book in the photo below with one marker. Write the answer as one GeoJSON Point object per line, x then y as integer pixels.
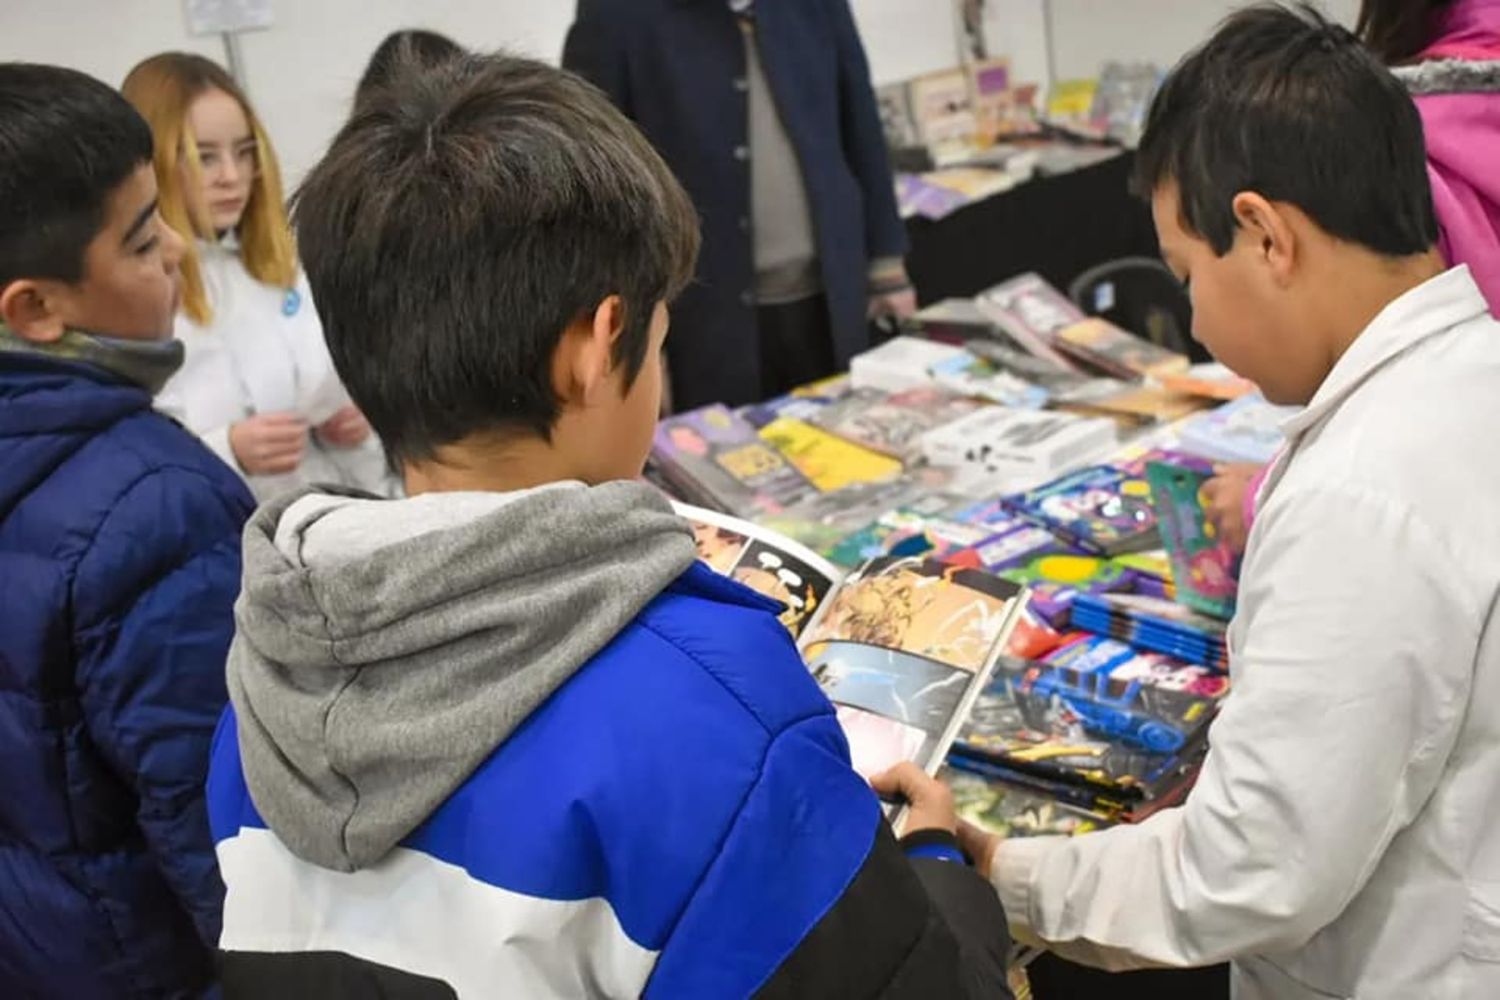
{"type": "Point", "coordinates": [901, 646]}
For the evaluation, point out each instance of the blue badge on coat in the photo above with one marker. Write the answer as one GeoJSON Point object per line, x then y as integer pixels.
{"type": "Point", "coordinates": [291, 303]}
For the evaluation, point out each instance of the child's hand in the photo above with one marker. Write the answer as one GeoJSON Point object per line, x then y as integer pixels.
{"type": "Point", "coordinates": [978, 845]}
{"type": "Point", "coordinates": [269, 444]}
{"type": "Point", "coordinates": [929, 802]}
{"type": "Point", "coordinates": [347, 428]}
{"type": "Point", "coordinates": [1225, 496]}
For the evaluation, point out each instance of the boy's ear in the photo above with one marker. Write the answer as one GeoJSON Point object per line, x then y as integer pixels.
{"type": "Point", "coordinates": [584, 362]}
{"type": "Point", "coordinates": [27, 307]}
{"type": "Point", "coordinates": [1269, 231]}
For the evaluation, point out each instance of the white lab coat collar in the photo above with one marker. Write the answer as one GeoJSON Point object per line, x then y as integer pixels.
{"type": "Point", "coordinates": [1434, 306]}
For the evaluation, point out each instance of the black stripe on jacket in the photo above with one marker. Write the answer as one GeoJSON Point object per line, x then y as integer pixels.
{"type": "Point", "coordinates": [906, 927]}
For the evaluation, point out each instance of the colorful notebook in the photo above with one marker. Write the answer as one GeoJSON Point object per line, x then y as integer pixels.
{"type": "Point", "coordinates": [899, 364]}
{"type": "Point", "coordinates": [970, 375]}
{"type": "Point", "coordinates": [1032, 312]}
{"type": "Point", "coordinates": [1154, 624]}
{"type": "Point", "coordinates": [1087, 653]}
{"type": "Point", "coordinates": [714, 459]}
{"type": "Point", "coordinates": [1013, 812]}
{"type": "Point", "coordinates": [1104, 346]}
{"type": "Point", "coordinates": [1104, 509]}
{"type": "Point", "coordinates": [1246, 430]}
{"type": "Point", "coordinates": [1204, 569]}
{"type": "Point", "coordinates": [1057, 579]}
{"type": "Point", "coordinates": [828, 461]}
{"type": "Point", "coordinates": [893, 424]}
{"type": "Point", "coordinates": [1123, 740]}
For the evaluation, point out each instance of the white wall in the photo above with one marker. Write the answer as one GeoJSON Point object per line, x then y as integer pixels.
{"type": "Point", "coordinates": [301, 72]}
{"type": "Point", "coordinates": [1088, 33]}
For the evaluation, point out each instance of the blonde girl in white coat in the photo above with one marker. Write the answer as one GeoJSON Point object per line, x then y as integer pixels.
{"type": "Point", "coordinates": [258, 385]}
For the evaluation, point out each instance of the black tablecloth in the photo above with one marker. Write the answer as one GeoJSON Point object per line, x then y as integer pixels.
{"type": "Point", "coordinates": [1054, 979]}
{"type": "Point", "coordinates": [1056, 226]}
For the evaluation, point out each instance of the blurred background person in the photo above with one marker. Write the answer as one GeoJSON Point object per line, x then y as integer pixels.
{"type": "Point", "coordinates": [766, 114]}
{"type": "Point", "coordinates": [257, 384]}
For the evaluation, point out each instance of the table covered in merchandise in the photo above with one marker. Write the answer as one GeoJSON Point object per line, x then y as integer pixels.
{"type": "Point", "coordinates": [1058, 226]}
{"type": "Point", "coordinates": [1028, 601]}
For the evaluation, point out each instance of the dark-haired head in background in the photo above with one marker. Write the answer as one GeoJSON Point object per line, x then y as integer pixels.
{"type": "Point", "coordinates": [73, 156]}
{"type": "Point", "coordinates": [412, 49]}
{"type": "Point", "coordinates": [1396, 30]}
{"type": "Point", "coordinates": [490, 245]}
{"type": "Point", "coordinates": [1289, 184]}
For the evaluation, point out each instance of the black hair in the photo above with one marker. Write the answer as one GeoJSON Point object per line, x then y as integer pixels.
{"type": "Point", "coordinates": [411, 48]}
{"type": "Point", "coordinates": [67, 142]}
{"type": "Point", "coordinates": [1396, 30]}
{"type": "Point", "coordinates": [1285, 103]}
{"type": "Point", "coordinates": [460, 221]}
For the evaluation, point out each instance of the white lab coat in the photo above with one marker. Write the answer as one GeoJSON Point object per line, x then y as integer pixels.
{"type": "Point", "coordinates": [1344, 837]}
{"type": "Point", "coordinates": [263, 352]}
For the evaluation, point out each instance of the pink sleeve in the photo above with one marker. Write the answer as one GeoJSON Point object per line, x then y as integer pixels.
{"type": "Point", "coordinates": [1253, 493]}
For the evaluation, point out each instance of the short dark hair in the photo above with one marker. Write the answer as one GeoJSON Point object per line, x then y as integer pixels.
{"type": "Point", "coordinates": [1396, 30]}
{"type": "Point", "coordinates": [67, 142]}
{"type": "Point", "coordinates": [411, 48]}
{"type": "Point", "coordinates": [1285, 103]}
{"type": "Point", "coordinates": [461, 220]}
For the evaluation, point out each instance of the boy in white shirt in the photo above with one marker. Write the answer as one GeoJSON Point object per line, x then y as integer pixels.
{"type": "Point", "coordinates": [1344, 837]}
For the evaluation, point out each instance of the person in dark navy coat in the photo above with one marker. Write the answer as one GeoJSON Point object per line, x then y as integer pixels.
{"type": "Point", "coordinates": [766, 114]}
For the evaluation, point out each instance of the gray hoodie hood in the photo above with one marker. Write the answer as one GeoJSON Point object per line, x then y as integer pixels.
{"type": "Point", "coordinates": [384, 648]}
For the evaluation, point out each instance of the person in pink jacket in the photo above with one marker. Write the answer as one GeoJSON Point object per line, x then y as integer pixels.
{"type": "Point", "coordinates": [1447, 52]}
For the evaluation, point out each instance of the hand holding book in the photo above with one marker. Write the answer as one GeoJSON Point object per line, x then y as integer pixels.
{"type": "Point", "coordinates": [1226, 494]}
{"type": "Point", "coordinates": [929, 803]}
{"type": "Point", "coordinates": [979, 845]}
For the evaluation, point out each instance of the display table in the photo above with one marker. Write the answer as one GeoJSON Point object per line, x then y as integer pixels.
{"type": "Point", "coordinates": [1057, 226]}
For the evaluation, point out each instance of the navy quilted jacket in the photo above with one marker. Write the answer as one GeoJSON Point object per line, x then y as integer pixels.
{"type": "Point", "coordinates": [119, 565]}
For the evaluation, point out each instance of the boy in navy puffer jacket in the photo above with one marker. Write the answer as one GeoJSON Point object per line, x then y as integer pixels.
{"type": "Point", "coordinates": [119, 565]}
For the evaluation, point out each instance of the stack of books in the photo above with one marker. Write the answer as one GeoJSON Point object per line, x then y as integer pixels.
{"type": "Point", "coordinates": [1156, 624]}
{"type": "Point", "coordinates": [712, 458]}
{"type": "Point", "coordinates": [1117, 748]}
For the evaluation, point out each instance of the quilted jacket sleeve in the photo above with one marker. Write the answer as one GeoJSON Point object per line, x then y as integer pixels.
{"type": "Point", "coordinates": [153, 602]}
{"type": "Point", "coordinates": [811, 896]}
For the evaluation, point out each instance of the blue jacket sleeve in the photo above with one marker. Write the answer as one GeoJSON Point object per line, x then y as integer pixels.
{"type": "Point", "coordinates": [153, 599]}
{"type": "Point", "coordinates": [864, 140]}
{"type": "Point", "coordinates": [810, 896]}
{"type": "Point", "coordinates": [595, 50]}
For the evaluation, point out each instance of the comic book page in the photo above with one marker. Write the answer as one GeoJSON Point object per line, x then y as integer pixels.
{"type": "Point", "coordinates": [903, 647]}
{"type": "Point", "coordinates": [767, 563]}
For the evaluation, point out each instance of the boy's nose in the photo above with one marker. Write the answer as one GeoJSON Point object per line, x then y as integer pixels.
{"type": "Point", "coordinates": [173, 247]}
